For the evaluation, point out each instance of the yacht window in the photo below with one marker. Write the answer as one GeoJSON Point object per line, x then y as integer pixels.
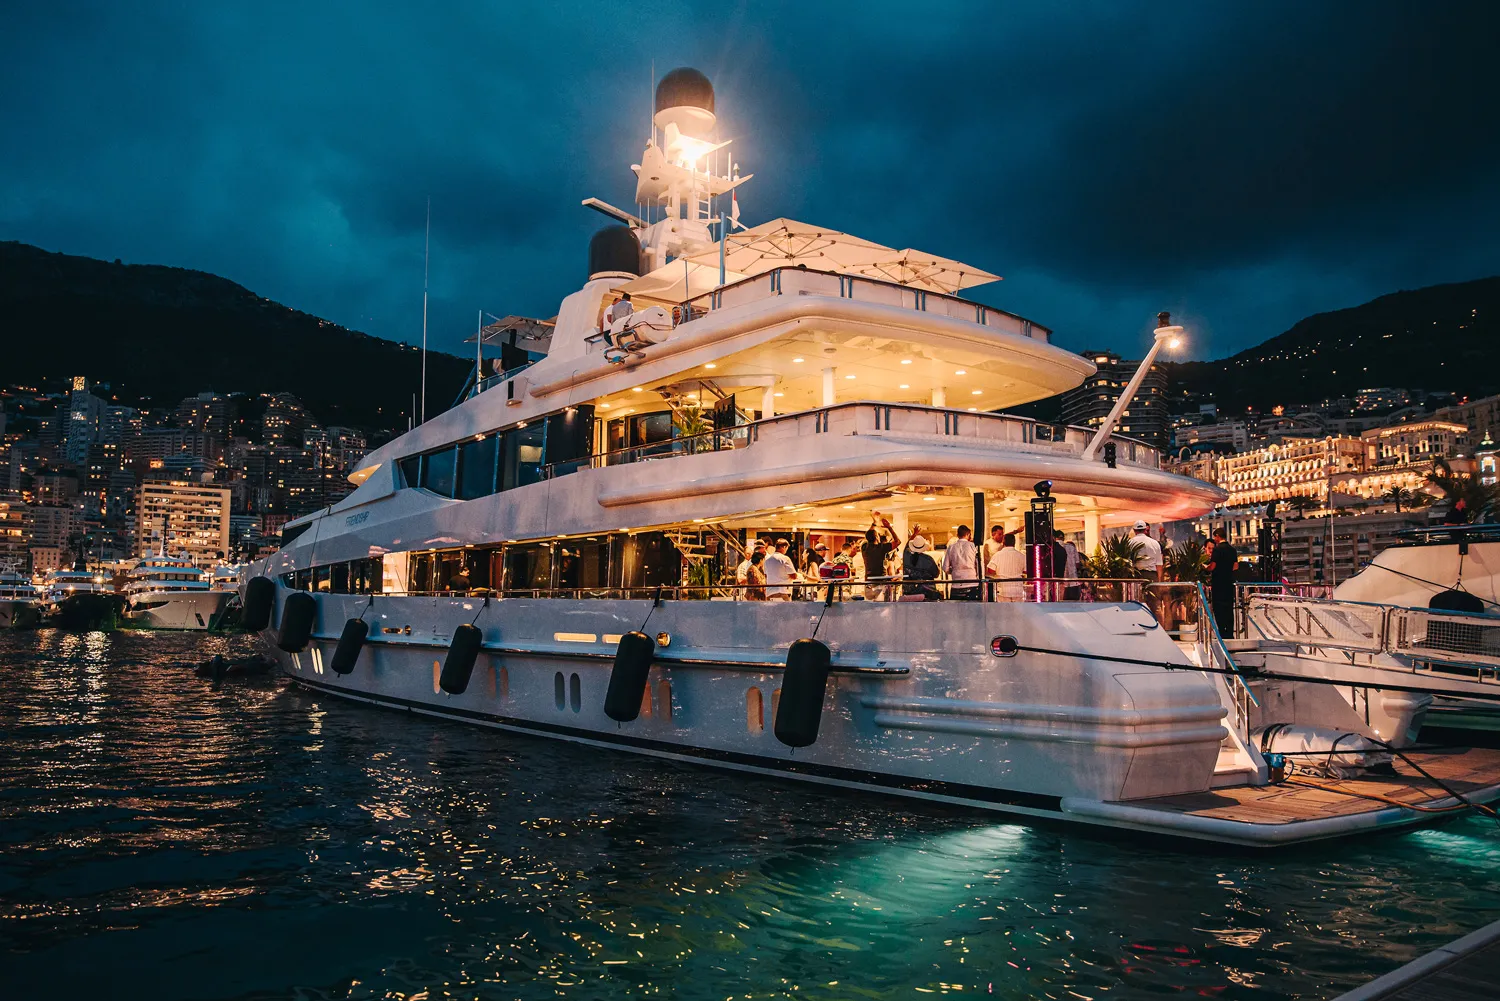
{"type": "Point", "coordinates": [651, 435]}
{"type": "Point", "coordinates": [522, 463]}
{"type": "Point", "coordinates": [583, 563]}
{"type": "Point", "coordinates": [421, 573]}
{"type": "Point", "coordinates": [476, 467]}
{"type": "Point", "coordinates": [411, 470]}
{"type": "Point", "coordinates": [320, 578]}
{"type": "Point", "coordinates": [437, 471]}
{"type": "Point", "coordinates": [303, 580]}
{"type": "Point", "coordinates": [649, 559]}
{"type": "Point", "coordinates": [570, 439]}
{"type": "Point", "coordinates": [528, 568]}
{"type": "Point", "coordinates": [338, 578]}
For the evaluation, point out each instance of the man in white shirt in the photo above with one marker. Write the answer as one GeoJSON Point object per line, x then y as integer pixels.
{"type": "Point", "coordinates": [742, 572]}
{"type": "Point", "coordinates": [1008, 566]}
{"type": "Point", "coordinates": [780, 573]}
{"type": "Point", "coordinates": [993, 544]}
{"type": "Point", "coordinates": [961, 564]}
{"type": "Point", "coordinates": [1150, 550]}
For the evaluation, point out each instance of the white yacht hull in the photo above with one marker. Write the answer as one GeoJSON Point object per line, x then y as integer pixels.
{"type": "Point", "coordinates": [194, 610]}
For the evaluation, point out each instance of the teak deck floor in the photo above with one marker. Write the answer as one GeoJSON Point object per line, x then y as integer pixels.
{"type": "Point", "coordinates": [1463, 770]}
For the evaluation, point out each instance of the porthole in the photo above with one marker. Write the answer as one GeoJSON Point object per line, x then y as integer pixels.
{"type": "Point", "coordinates": [559, 696]}
{"type": "Point", "coordinates": [575, 692]}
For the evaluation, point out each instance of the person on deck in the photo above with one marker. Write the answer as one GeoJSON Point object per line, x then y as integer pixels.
{"type": "Point", "coordinates": [780, 573]}
{"type": "Point", "coordinates": [878, 544]}
{"type": "Point", "coordinates": [1150, 559]}
{"type": "Point", "coordinates": [918, 568]}
{"type": "Point", "coordinates": [755, 577]}
{"type": "Point", "coordinates": [961, 565]}
{"type": "Point", "coordinates": [1008, 568]}
{"type": "Point", "coordinates": [1221, 566]}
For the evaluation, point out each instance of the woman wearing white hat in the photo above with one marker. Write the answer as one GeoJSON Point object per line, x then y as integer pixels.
{"type": "Point", "coordinates": [918, 568]}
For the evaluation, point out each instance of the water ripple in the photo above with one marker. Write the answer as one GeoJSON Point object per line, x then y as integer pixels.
{"type": "Point", "coordinates": [167, 838]}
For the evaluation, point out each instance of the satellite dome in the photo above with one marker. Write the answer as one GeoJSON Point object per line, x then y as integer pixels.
{"type": "Point", "coordinates": [614, 250]}
{"type": "Point", "coordinates": [686, 98]}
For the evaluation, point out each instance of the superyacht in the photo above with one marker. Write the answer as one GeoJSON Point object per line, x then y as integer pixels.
{"type": "Point", "coordinates": [170, 592]}
{"type": "Point", "coordinates": [556, 554]}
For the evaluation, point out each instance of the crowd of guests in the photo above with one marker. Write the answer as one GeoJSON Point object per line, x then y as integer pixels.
{"type": "Point", "coordinates": [885, 568]}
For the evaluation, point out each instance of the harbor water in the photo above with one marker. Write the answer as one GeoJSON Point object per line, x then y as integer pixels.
{"type": "Point", "coordinates": [165, 837]}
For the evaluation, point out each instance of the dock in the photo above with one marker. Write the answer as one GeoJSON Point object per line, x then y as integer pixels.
{"type": "Point", "coordinates": [1465, 970]}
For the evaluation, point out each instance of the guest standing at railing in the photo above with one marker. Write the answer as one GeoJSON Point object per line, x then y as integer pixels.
{"type": "Point", "coordinates": [918, 568]}
{"type": "Point", "coordinates": [880, 541]}
{"type": "Point", "coordinates": [1221, 563]}
{"type": "Point", "coordinates": [1008, 568]}
{"type": "Point", "coordinates": [755, 577]}
{"type": "Point", "coordinates": [961, 565]}
{"type": "Point", "coordinates": [780, 573]}
{"type": "Point", "coordinates": [1150, 558]}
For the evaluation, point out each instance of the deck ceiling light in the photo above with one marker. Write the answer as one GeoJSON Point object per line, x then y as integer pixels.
{"type": "Point", "coordinates": [710, 365]}
{"type": "Point", "coordinates": [778, 394]}
{"type": "Point", "coordinates": [929, 498]}
{"type": "Point", "coordinates": [961, 372]}
{"type": "Point", "coordinates": [905, 386]}
{"type": "Point", "coordinates": [848, 377]}
{"type": "Point", "coordinates": [978, 392]}
{"type": "Point", "coordinates": [635, 389]}
{"type": "Point", "coordinates": [906, 361]}
{"type": "Point", "coordinates": [796, 361]}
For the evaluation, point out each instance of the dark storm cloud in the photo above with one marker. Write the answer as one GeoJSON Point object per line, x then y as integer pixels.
{"type": "Point", "coordinates": [1242, 165]}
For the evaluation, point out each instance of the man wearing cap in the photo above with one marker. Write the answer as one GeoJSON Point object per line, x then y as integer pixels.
{"type": "Point", "coordinates": [1150, 558]}
{"type": "Point", "coordinates": [780, 573]}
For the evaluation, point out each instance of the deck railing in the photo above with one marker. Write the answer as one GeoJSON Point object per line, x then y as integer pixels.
{"type": "Point", "coordinates": [888, 420]}
{"type": "Point", "coordinates": [806, 281]}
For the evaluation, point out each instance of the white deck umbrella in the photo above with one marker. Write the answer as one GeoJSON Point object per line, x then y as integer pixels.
{"type": "Point", "coordinates": [924, 271]}
{"type": "Point", "coordinates": [784, 243]}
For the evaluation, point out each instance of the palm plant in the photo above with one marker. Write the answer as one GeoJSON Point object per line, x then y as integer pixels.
{"type": "Point", "coordinates": [1187, 562]}
{"type": "Point", "coordinates": [689, 422]}
{"type": "Point", "coordinates": [1400, 495]}
{"type": "Point", "coordinates": [1114, 558]}
{"type": "Point", "coordinates": [1480, 499]}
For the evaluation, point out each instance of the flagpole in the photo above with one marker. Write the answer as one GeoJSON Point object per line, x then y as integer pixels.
{"type": "Point", "coordinates": [426, 260]}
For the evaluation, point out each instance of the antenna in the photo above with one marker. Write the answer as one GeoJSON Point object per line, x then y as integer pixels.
{"type": "Point", "coordinates": [426, 260]}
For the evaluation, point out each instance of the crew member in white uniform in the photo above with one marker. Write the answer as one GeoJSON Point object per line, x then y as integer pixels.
{"type": "Point", "coordinates": [1150, 550]}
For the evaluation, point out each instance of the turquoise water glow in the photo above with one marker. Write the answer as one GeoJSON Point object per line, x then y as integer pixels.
{"type": "Point", "coordinates": [162, 837]}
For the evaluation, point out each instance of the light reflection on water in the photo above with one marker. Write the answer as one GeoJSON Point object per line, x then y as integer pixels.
{"type": "Point", "coordinates": [163, 837]}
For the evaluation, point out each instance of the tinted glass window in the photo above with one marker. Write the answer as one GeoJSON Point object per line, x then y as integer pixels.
{"type": "Point", "coordinates": [523, 457]}
{"type": "Point", "coordinates": [476, 467]}
{"type": "Point", "coordinates": [338, 578]}
{"type": "Point", "coordinates": [438, 470]}
{"type": "Point", "coordinates": [411, 470]}
{"type": "Point", "coordinates": [528, 567]}
{"type": "Point", "coordinates": [583, 564]}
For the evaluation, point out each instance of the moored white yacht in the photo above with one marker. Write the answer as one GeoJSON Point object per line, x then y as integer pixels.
{"type": "Point", "coordinates": [170, 592]}
{"type": "Point", "coordinates": [1422, 621]}
{"type": "Point", "coordinates": [543, 558]}
{"type": "Point", "coordinates": [20, 602]}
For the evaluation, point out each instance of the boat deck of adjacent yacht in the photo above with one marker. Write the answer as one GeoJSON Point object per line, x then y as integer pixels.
{"type": "Point", "coordinates": [1303, 809]}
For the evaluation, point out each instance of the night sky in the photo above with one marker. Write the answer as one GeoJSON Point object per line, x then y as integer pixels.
{"type": "Point", "coordinates": [1242, 165]}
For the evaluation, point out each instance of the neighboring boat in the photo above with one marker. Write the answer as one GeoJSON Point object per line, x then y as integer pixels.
{"type": "Point", "coordinates": [20, 603]}
{"type": "Point", "coordinates": [554, 554]}
{"type": "Point", "coordinates": [1412, 640]}
{"type": "Point", "coordinates": [170, 592]}
{"type": "Point", "coordinates": [80, 599]}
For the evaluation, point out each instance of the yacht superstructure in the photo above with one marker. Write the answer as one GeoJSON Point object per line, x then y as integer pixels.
{"type": "Point", "coordinates": [556, 554]}
{"type": "Point", "coordinates": [80, 598]}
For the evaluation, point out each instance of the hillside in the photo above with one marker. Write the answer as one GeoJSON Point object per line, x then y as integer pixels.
{"type": "Point", "coordinates": [158, 334]}
{"type": "Point", "coordinates": [1439, 338]}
